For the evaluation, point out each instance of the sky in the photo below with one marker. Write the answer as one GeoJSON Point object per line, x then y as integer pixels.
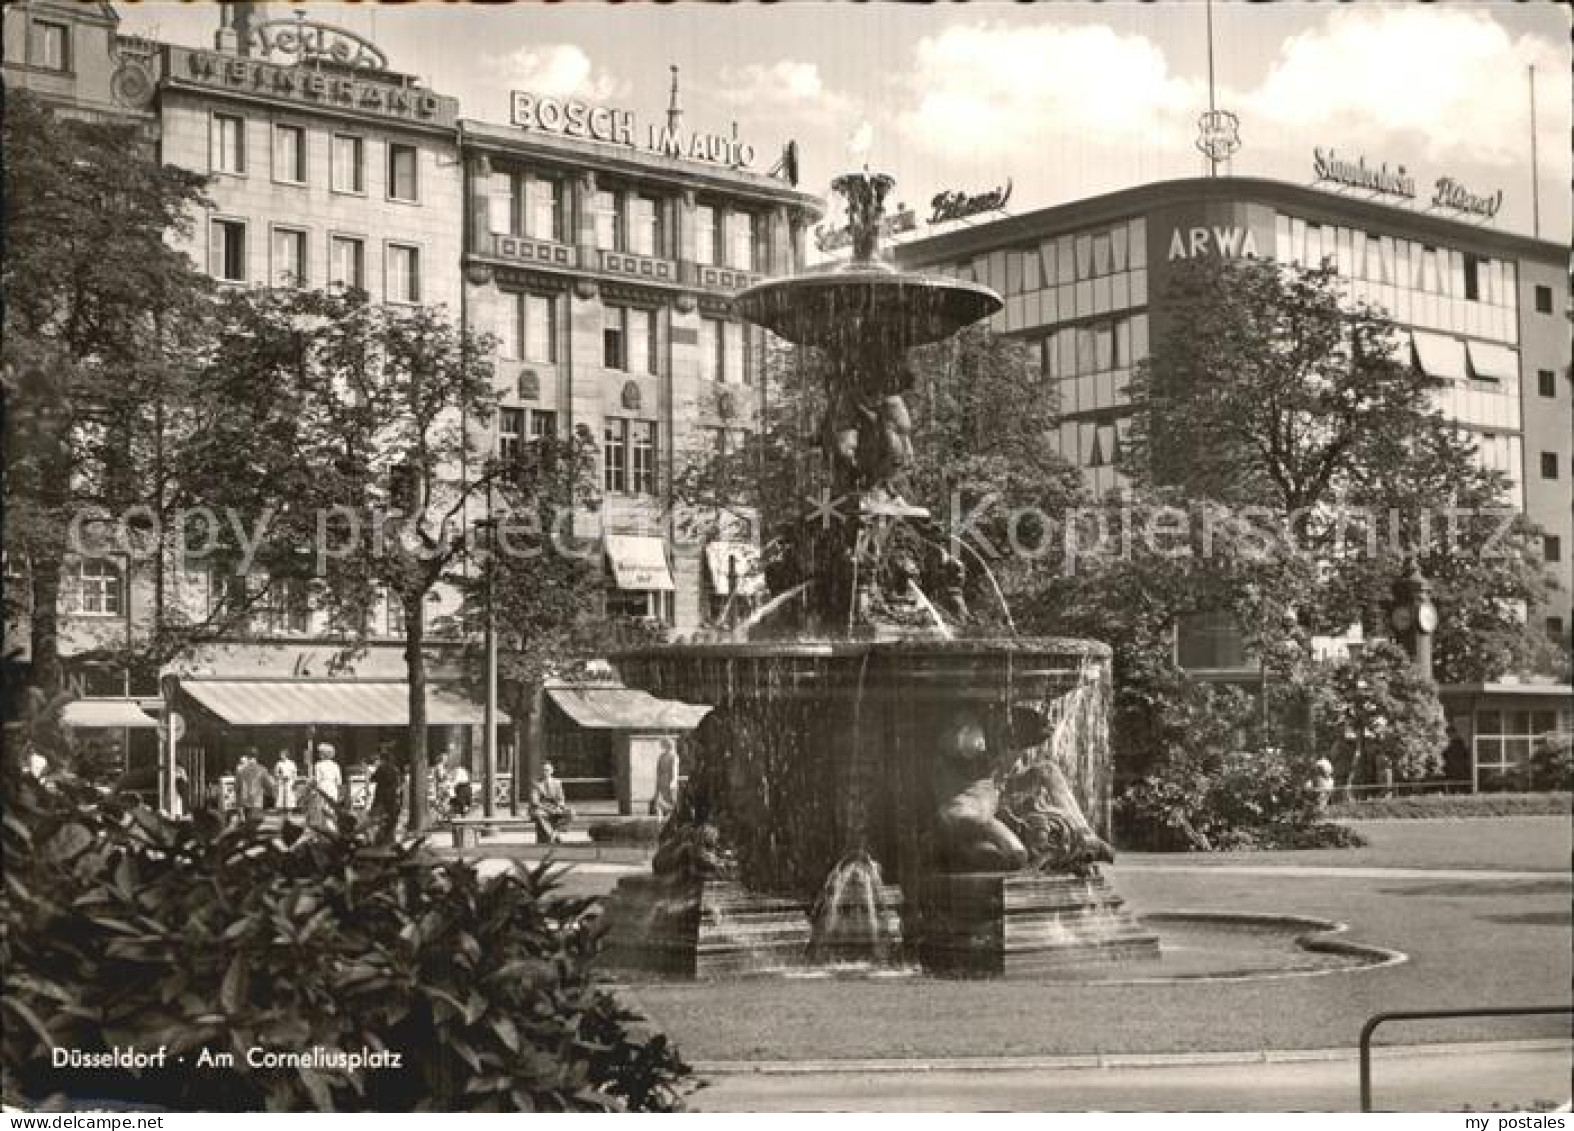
{"type": "Point", "coordinates": [1064, 100]}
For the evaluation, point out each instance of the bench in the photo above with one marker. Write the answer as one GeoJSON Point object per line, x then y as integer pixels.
{"type": "Point", "coordinates": [467, 830]}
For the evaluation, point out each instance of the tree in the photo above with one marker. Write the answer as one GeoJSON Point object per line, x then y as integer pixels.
{"type": "Point", "coordinates": [99, 312]}
{"type": "Point", "coordinates": [1274, 394]}
{"type": "Point", "coordinates": [1382, 716]}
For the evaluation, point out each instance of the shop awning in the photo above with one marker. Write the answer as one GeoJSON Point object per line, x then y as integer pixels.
{"type": "Point", "coordinates": [110, 714]}
{"type": "Point", "coordinates": [329, 702]}
{"type": "Point", "coordinates": [1493, 362]}
{"type": "Point", "coordinates": [623, 708]}
{"type": "Point", "coordinates": [1440, 356]}
{"type": "Point", "coordinates": [638, 562]}
{"type": "Point", "coordinates": [746, 555]}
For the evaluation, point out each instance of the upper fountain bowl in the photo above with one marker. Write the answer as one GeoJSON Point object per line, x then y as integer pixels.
{"type": "Point", "coordinates": [866, 304]}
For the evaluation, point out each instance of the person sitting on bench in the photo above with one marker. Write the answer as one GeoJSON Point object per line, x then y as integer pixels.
{"type": "Point", "coordinates": [548, 808]}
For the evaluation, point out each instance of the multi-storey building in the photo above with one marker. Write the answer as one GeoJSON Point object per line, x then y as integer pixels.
{"type": "Point", "coordinates": [599, 251]}
{"type": "Point", "coordinates": [602, 258]}
{"type": "Point", "coordinates": [1485, 310]}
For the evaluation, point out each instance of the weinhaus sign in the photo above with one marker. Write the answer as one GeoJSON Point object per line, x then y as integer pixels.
{"type": "Point", "coordinates": [312, 87]}
{"type": "Point", "coordinates": [1447, 192]}
{"type": "Point", "coordinates": [569, 117]}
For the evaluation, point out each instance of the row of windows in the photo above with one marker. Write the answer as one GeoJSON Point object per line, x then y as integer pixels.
{"type": "Point", "coordinates": [1062, 260]}
{"type": "Point", "coordinates": [538, 206]}
{"type": "Point", "coordinates": [1094, 347]}
{"type": "Point", "coordinates": [1357, 254]}
{"type": "Point", "coordinates": [228, 154]}
{"type": "Point", "coordinates": [289, 260]}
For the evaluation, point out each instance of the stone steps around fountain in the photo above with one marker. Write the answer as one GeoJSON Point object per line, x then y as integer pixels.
{"type": "Point", "coordinates": [1019, 925]}
{"type": "Point", "coordinates": [678, 927]}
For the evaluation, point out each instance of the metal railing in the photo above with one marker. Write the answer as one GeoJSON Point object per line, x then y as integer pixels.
{"type": "Point", "coordinates": [1436, 1015]}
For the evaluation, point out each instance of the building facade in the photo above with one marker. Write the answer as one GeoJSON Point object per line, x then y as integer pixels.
{"type": "Point", "coordinates": [1485, 310]}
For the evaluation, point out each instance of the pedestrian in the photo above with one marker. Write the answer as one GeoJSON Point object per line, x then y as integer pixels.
{"type": "Point", "coordinates": [1456, 757]}
{"type": "Point", "coordinates": [666, 798]}
{"type": "Point", "coordinates": [284, 774]}
{"type": "Point", "coordinates": [463, 796]}
{"type": "Point", "coordinates": [253, 783]}
{"type": "Point", "coordinates": [549, 809]}
{"type": "Point", "coordinates": [327, 789]}
{"type": "Point", "coordinates": [1323, 780]}
{"type": "Point", "coordinates": [387, 783]}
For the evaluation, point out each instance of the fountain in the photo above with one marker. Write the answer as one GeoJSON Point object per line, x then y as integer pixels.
{"type": "Point", "coordinates": [877, 782]}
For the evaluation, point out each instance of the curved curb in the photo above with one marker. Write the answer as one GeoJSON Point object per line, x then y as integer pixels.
{"type": "Point", "coordinates": [1112, 1060]}
{"type": "Point", "coordinates": [1313, 938]}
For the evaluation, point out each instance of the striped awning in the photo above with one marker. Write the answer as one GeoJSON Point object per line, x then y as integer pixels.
{"type": "Point", "coordinates": [108, 714]}
{"type": "Point", "coordinates": [638, 562]}
{"type": "Point", "coordinates": [334, 702]}
{"type": "Point", "coordinates": [623, 708]}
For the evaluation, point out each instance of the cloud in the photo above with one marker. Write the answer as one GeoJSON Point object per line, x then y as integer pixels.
{"type": "Point", "coordinates": [1449, 80]}
{"type": "Point", "coordinates": [558, 69]}
{"type": "Point", "coordinates": [995, 90]}
{"type": "Point", "coordinates": [787, 86]}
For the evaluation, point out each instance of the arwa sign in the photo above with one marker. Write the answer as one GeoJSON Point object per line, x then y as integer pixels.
{"type": "Point", "coordinates": [1226, 242]}
{"type": "Point", "coordinates": [570, 117]}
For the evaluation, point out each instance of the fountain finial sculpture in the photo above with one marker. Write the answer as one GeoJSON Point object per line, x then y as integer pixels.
{"type": "Point", "coordinates": [865, 194]}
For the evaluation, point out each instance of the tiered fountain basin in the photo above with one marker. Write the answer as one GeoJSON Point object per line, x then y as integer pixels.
{"type": "Point", "coordinates": [820, 751]}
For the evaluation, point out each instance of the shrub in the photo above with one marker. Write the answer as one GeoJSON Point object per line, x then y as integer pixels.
{"type": "Point", "coordinates": [122, 927]}
{"type": "Point", "coordinates": [628, 830]}
{"type": "Point", "coordinates": [1429, 805]}
{"type": "Point", "coordinates": [1552, 762]}
{"type": "Point", "coordinates": [1212, 801]}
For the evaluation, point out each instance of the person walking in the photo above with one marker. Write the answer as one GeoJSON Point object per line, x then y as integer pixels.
{"type": "Point", "coordinates": [327, 789]}
{"type": "Point", "coordinates": [284, 775]}
{"type": "Point", "coordinates": [387, 791]}
{"type": "Point", "coordinates": [666, 798]}
{"type": "Point", "coordinates": [549, 809]}
{"type": "Point", "coordinates": [252, 785]}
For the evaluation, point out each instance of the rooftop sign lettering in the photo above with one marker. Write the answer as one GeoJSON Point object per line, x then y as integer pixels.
{"type": "Point", "coordinates": [312, 42]}
{"type": "Point", "coordinates": [1329, 166]}
{"type": "Point", "coordinates": [834, 239]}
{"type": "Point", "coordinates": [311, 87]}
{"type": "Point", "coordinates": [1449, 193]}
{"type": "Point", "coordinates": [959, 205]}
{"type": "Point", "coordinates": [569, 117]}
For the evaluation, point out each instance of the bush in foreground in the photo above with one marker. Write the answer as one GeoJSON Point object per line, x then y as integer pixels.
{"type": "Point", "coordinates": [1442, 805]}
{"type": "Point", "coordinates": [637, 831]}
{"type": "Point", "coordinates": [124, 928]}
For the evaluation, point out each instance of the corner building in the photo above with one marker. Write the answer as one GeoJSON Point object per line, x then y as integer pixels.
{"type": "Point", "coordinates": [1483, 309]}
{"type": "Point", "coordinates": [604, 264]}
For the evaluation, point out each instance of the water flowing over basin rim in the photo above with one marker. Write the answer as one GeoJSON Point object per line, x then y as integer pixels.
{"type": "Point", "coordinates": [908, 309]}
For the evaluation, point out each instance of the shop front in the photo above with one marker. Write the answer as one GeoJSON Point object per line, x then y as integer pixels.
{"type": "Point", "coordinates": [604, 741]}
{"type": "Point", "coordinates": [1502, 725]}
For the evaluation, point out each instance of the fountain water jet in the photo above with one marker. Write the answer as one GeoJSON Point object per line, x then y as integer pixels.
{"type": "Point", "coordinates": [880, 784]}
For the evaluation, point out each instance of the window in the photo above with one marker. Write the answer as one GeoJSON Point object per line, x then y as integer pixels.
{"type": "Point", "coordinates": [349, 174]}
{"type": "Point", "coordinates": [1555, 629]}
{"type": "Point", "coordinates": [1551, 548]}
{"type": "Point", "coordinates": [614, 456]}
{"type": "Point", "coordinates": [47, 46]}
{"type": "Point", "coordinates": [94, 588]}
{"type": "Point", "coordinates": [286, 607]}
{"type": "Point", "coordinates": [1210, 642]}
{"type": "Point", "coordinates": [289, 154]}
{"type": "Point", "coordinates": [1549, 465]}
{"type": "Point", "coordinates": [1473, 278]}
{"type": "Point", "coordinates": [543, 424]}
{"type": "Point", "coordinates": [229, 145]}
{"type": "Point", "coordinates": [402, 173]}
{"type": "Point", "coordinates": [227, 250]}
{"type": "Point", "coordinates": [740, 241]}
{"type": "Point", "coordinates": [510, 430]}
{"type": "Point", "coordinates": [613, 338]}
{"type": "Point", "coordinates": [289, 257]}
{"type": "Point", "coordinates": [403, 283]}
{"type": "Point", "coordinates": [641, 340]}
{"type": "Point", "coordinates": [712, 363]}
{"type": "Point", "coordinates": [348, 262]}
{"type": "Point", "coordinates": [706, 239]}
{"type": "Point", "coordinates": [527, 330]}
{"type": "Point", "coordinates": [396, 621]}
{"type": "Point", "coordinates": [544, 209]}
{"type": "Point", "coordinates": [644, 226]}
{"type": "Point", "coordinates": [642, 434]}
{"type": "Point", "coordinates": [643, 604]}
{"type": "Point", "coordinates": [1543, 300]}
{"type": "Point", "coordinates": [1546, 382]}
{"type": "Point", "coordinates": [609, 221]}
